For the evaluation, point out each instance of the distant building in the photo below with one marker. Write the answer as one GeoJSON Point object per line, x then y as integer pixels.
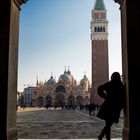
{"type": "Point", "coordinates": [19, 99]}
{"type": "Point", "coordinates": [63, 92]}
{"type": "Point", "coordinates": [28, 95]}
{"type": "Point", "coordinates": [99, 41]}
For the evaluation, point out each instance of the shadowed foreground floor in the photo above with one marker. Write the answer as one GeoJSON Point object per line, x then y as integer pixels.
{"type": "Point", "coordinates": [67, 139]}
{"type": "Point", "coordinates": [61, 124]}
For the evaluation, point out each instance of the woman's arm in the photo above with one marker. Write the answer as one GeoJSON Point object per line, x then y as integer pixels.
{"type": "Point", "coordinates": [102, 91]}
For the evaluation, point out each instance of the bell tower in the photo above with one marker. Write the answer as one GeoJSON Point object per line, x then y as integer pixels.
{"type": "Point", "coordinates": [99, 44]}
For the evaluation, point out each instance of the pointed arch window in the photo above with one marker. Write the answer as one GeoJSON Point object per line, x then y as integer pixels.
{"type": "Point", "coordinates": [100, 29]}
{"type": "Point", "coordinates": [103, 29]}
{"type": "Point", "coordinates": [95, 29]}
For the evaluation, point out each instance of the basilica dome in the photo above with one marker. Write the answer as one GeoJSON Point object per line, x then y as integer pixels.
{"type": "Point", "coordinates": [66, 76]}
{"type": "Point", "coordinates": [51, 81]}
{"type": "Point", "coordinates": [84, 80]}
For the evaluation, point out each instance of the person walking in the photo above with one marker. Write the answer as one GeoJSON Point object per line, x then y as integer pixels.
{"type": "Point", "coordinates": [91, 108]}
{"type": "Point", "coordinates": [113, 93]}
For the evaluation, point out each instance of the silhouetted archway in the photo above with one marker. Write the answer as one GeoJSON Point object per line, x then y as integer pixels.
{"type": "Point", "coordinates": [8, 59]}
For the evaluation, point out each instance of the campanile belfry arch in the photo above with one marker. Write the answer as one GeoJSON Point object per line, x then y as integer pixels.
{"type": "Point", "coordinates": [130, 21]}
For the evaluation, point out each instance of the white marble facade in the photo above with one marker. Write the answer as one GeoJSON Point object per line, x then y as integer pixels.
{"type": "Point", "coordinates": [63, 92]}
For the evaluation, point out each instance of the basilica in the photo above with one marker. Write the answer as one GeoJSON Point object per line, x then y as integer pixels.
{"type": "Point", "coordinates": [65, 91]}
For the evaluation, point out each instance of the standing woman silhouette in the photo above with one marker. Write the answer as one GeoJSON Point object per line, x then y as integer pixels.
{"type": "Point", "coordinates": [113, 93]}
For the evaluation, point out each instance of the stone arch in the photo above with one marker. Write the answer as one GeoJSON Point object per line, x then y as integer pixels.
{"type": "Point", "coordinates": [60, 100]}
{"type": "Point", "coordinates": [79, 100]}
{"type": "Point", "coordinates": [48, 101]}
{"type": "Point", "coordinates": [101, 29]}
{"type": "Point", "coordinates": [71, 100]}
{"type": "Point", "coordinates": [8, 71]}
{"type": "Point", "coordinates": [60, 89]}
{"type": "Point", "coordinates": [87, 100]}
{"type": "Point", "coordinates": [40, 101]}
{"type": "Point", "coordinates": [95, 29]}
{"type": "Point", "coordinates": [98, 29]}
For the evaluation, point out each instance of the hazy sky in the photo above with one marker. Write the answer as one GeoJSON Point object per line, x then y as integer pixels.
{"type": "Point", "coordinates": [56, 33]}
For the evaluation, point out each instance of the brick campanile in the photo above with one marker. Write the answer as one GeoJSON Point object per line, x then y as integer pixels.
{"type": "Point", "coordinates": [99, 44]}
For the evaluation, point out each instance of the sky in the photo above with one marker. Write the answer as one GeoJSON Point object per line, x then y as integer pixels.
{"type": "Point", "coordinates": [54, 34]}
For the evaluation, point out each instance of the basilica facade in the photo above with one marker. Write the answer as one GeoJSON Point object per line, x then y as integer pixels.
{"type": "Point", "coordinates": [63, 92]}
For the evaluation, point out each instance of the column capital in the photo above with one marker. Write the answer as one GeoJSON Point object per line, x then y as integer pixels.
{"type": "Point", "coordinates": [20, 2]}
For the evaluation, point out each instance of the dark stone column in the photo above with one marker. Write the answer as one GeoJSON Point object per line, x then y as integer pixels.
{"type": "Point", "coordinates": [130, 21]}
{"type": "Point", "coordinates": [4, 49]}
{"type": "Point", "coordinates": [9, 33]}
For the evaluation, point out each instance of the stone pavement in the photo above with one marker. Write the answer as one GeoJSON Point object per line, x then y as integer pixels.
{"type": "Point", "coordinates": [61, 124]}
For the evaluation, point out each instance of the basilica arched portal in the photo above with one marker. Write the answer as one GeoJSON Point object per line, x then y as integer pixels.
{"type": "Point", "coordinates": [79, 100]}
{"type": "Point", "coordinates": [60, 89]}
{"type": "Point", "coordinates": [60, 100]}
{"type": "Point", "coordinates": [48, 101]}
{"type": "Point", "coordinates": [71, 100]}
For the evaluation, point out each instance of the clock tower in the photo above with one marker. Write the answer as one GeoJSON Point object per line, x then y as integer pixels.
{"type": "Point", "coordinates": [99, 44]}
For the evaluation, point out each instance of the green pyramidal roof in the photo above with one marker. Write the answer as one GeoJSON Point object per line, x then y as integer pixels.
{"type": "Point", "coordinates": [99, 5]}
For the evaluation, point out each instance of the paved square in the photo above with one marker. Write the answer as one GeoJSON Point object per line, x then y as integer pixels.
{"type": "Point", "coordinates": [61, 124]}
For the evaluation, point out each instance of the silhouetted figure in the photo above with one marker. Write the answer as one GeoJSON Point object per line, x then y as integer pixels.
{"type": "Point", "coordinates": [114, 94]}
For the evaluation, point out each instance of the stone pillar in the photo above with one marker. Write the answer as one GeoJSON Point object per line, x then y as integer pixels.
{"type": "Point", "coordinates": [130, 22]}
{"type": "Point", "coordinates": [9, 14]}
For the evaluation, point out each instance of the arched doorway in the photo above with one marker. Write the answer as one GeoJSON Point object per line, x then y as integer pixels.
{"type": "Point", "coordinates": [60, 89]}
{"type": "Point", "coordinates": [48, 101]}
{"type": "Point", "coordinates": [40, 101]}
{"type": "Point", "coordinates": [71, 102]}
{"type": "Point", "coordinates": [79, 100]}
{"type": "Point", "coordinates": [60, 100]}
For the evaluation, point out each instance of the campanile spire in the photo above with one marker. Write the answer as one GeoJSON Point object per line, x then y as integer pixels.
{"type": "Point", "coordinates": [99, 5]}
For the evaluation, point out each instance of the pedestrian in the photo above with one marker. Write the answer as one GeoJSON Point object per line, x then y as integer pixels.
{"type": "Point", "coordinates": [91, 108]}
{"type": "Point", "coordinates": [113, 93]}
